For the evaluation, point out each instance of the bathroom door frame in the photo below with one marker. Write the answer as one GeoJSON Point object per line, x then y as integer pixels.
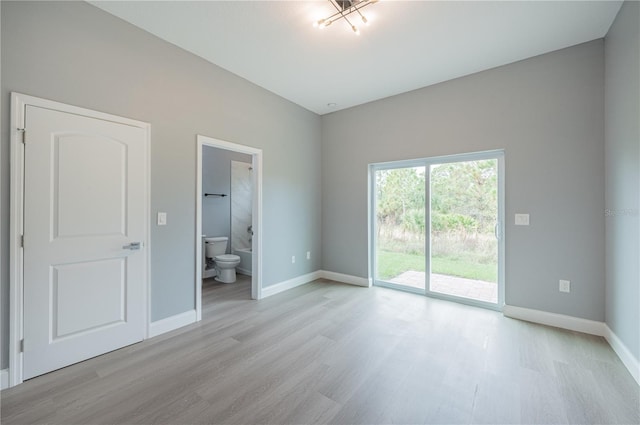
{"type": "Point", "coordinates": [256, 219]}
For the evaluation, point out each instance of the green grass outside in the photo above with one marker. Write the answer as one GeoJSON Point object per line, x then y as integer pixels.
{"type": "Point", "coordinates": [391, 264]}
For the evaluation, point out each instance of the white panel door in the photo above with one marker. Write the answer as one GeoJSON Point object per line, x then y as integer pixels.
{"type": "Point", "coordinates": [85, 203]}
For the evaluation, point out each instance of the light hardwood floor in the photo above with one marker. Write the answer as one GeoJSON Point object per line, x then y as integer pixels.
{"type": "Point", "coordinates": [332, 353]}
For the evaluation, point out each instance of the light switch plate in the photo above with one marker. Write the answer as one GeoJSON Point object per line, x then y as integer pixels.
{"type": "Point", "coordinates": [522, 219]}
{"type": "Point", "coordinates": [565, 286]}
{"type": "Point", "coordinates": [162, 219]}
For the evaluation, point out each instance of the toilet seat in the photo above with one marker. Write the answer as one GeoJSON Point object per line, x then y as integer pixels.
{"type": "Point", "coordinates": [227, 258]}
{"type": "Point", "coordinates": [226, 267]}
{"type": "Point", "coordinates": [224, 264]}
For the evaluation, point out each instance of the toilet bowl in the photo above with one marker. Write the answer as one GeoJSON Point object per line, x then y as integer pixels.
{"type": "Point", "coordinates": [226, 267]}
{"type": "Point", "coordinates": [225, 264]}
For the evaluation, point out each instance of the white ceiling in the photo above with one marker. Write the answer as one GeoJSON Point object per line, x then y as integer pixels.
{"type": "Point", "coordinates": [408, 44]}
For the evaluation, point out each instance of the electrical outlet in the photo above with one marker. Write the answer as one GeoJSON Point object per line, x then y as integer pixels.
{"type": "Point", "coordinates": [308, 255]}
{"type": "Point", "coordinates": [293, 259]}
{"type": "Point", "coordinates": [565, 286]}
{"type": "Point", "coordinates": [162, 219]}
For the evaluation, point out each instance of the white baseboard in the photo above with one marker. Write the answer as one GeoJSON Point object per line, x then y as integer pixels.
{"type": "Point", "coordinates": [4, 379]}
{"type": "Point", "coordinates": [170, 323]}
{"type": "Point", "coordinates": [345, 278]}
{"type": "Point", "coordinates": [571, 323]}
{"type": "Point", "coordinates": [310, 277]}
{"type": "Point", "coordinates": [174, 322]}
{"type": "Point", "coordinates": [288, 284]}
{"type": "Point", "coordinates": [577, 324]}
{"type": "Point", "coordinates": [632, 364]}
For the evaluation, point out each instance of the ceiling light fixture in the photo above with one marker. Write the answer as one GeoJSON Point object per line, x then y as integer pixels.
{"type": "Point", "coordinates": [344, 9]}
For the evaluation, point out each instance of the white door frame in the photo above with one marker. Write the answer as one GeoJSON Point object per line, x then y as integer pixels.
{"type": "Point", "coordinates": [256, 253]}
{"type": "Point", "coordinates": [500, 232]}
{"type": "Point", "coordinates": [19, 103]}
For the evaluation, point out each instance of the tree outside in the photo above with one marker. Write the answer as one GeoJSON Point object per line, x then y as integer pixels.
{"type": "Point", "coordinates": [463, 212]}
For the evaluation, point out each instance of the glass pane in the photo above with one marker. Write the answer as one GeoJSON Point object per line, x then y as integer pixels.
{"type": "Point", "coordinates": [464, 248]}
{"type": "Point", "coordinates": [400, 226]}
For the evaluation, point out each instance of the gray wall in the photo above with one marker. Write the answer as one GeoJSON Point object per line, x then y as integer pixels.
{"type": "Point", "coordinates": [74, 53]}
{"type": "Point", "coordinates": [216, 178]}
{"type": "Point", "coordinates": [547, 113]}
{"type": "Point", "coordinates": [4, 222]}
{"type": "Point", "coordinates": [622, 172]}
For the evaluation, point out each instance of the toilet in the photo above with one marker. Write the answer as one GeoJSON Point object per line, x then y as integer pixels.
{"type": "Point", "coordinates": [225, 264]}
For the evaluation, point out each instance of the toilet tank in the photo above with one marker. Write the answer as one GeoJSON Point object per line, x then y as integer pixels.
{"type": "Point", "coordinates": [216, 246]}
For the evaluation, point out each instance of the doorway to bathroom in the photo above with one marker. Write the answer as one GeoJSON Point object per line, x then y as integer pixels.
{"type": "Point", "coordinates": [229, 211]}
{"type": "Point", "coordinates": [436, 227]}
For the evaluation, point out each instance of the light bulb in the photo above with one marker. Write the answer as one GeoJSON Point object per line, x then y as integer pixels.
{"type": "Point", "coordinates": [364, 20]}
{"type": "Point", "coordinates": [353, 27]}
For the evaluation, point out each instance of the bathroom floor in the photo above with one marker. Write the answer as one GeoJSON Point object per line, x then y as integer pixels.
{"type": "Point", "coordinates": [215, 293]}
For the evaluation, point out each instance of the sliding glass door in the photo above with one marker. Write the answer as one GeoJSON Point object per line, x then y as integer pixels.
{"type": "Point", "coordinates": [437, 227]}
{"type": "Point", "coordinates": [400, 227]}
{"type": "Point", "coordinates": [464, 220]}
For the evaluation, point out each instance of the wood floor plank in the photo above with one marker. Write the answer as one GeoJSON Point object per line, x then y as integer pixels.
{"type": "Point", "coordinates": [332, 353]}
{"type": "Point", "coordinates": [497, 400]}
{"type": "Point", "coordinates": [541, 401]}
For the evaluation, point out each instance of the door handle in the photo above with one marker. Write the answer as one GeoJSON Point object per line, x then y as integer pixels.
{"type": "Point", "coordinates": [497, 231]}
{"type": "Point", "coordinates": [133, 246]}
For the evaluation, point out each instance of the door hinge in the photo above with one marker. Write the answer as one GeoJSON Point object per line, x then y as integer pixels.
{"type": "Point", "coordinates": [21, 241]}
{"type": "Point", "coordinates": [24, 135]}
{"type": "Point", "coordinates": [22, 345]}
